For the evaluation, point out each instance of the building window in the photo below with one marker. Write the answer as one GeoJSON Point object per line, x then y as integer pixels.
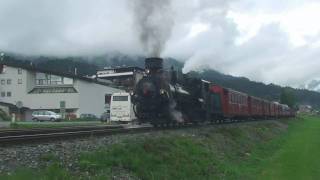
{"type": "Point", "coordinates": [1, 68]}
{"type": "Point", "coordinates": [8, 81]}
{"type": "Point", "coordinates": [3, 82]}
{"type": "Point", "coordinates": [62, 104]}
{"type": "Point", "coordinates": [48, 90]}
{"type": "Point", "coordinates": [3, 94]}
{"type": "Point", "coordinates": [19, 81]}
{"type": "Point", "coordinates": [49, 79]}
{"type": "Point", "coordinates": [8, 94]}
{"type": "Point", "coordinates": [19, 71]}
{"type": "Point", "coordinates": [56, 80]}
{"type": "Point", "coordinates": [107, 99]}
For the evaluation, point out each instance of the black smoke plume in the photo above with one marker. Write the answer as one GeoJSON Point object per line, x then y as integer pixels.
{"type": "Point", "coordinates": [153, 22]}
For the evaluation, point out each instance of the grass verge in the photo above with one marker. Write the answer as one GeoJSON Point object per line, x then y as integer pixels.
{"type": "Point", "coordinates": [29, 125]}
{"type": "Point", "coordinates": [298, 156]}
{"type": "Point", "coordinates": [245, 151]}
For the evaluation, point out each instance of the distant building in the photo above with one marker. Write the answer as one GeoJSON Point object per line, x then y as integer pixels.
{"type": "Point", "coordinates": [124, 76]}
{"type": "Point", "coordinates": [305, 108]}
{"type": "Point", "coordinates": [33, 88]}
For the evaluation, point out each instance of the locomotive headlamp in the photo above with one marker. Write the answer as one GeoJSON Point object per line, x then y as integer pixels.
{"type": "Point", "coordinates": [147, 71]}
{"type": "Point", "coordinates": [162, 91]}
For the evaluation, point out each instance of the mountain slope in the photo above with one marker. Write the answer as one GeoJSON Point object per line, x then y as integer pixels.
{"type": "Point", "coordinates": [89, 65]}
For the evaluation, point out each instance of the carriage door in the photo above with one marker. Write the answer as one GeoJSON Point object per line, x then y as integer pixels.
{"type": "Point", "coordinates": [215, 103]}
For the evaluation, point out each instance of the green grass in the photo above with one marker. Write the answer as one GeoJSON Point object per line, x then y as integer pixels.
{"type": "Point", "coordinates": [28, 125]}
{"type": "Point", "coordinates": [163, 158]}
{"type": "Point", "coordinates": [252, 151]}
{"type": "Point", "coordinates": [299, 156]}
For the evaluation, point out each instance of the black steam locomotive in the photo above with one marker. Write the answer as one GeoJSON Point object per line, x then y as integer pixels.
{"type": "Point", "coordinates": [159, 99]}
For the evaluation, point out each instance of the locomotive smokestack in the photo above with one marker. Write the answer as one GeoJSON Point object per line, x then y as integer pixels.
{"type": "Point", "coordinates": [154, 64]}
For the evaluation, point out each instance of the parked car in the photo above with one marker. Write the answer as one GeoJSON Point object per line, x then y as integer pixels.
{"type": "Point", "coordinates": [88, 117]}
{"type": "Point", "coordinates": [105, 116]}
{"type": "Point", "coordinates": [45, 116]}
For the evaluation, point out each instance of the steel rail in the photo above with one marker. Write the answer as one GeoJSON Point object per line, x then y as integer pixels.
{"type": "Point", "coordinates": [65, 133]}
{"type": "Point", "coordinates": [27, 138]}
{"type": "Point", "coordinates": [50, 130]}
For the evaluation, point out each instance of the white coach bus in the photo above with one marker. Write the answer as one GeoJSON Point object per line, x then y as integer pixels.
{"type": "Point", "coordinates": [121, 108]}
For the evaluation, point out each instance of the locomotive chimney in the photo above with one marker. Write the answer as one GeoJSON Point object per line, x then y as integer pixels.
{"type": "Point", "coordinates": [153, 64]}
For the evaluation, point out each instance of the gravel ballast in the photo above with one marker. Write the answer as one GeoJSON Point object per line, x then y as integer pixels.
{"type": "Point", "coordinates": [66, 152]}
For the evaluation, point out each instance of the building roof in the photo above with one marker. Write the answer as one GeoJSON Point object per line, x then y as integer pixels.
{"type": "Point", "coordinates": [115, 74]}
{"type": "Point", "coordinates": [124, 69]}
{"type": "Point", "coordinates": [118, 72]}
{"type": "Point", "coordinates": [32, 67]}
{"type": "Point", "coordinates": [11, 105]}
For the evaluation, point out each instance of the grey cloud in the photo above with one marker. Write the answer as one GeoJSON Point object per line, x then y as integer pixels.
{"type": "Point", "coordinates": [82, 27]}
{"type": "Point", "coordinates": [66, 27]}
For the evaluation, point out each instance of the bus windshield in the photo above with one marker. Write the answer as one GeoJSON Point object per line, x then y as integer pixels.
{"type": "Point", "coordinates": [120, 98]}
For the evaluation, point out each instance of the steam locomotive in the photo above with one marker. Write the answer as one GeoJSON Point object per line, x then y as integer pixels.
{"type": "Point", "coordinates": [159, 98]}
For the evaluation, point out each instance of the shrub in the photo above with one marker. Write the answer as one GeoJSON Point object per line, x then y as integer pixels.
{"type": "Point", "coordinates": [4, 116]}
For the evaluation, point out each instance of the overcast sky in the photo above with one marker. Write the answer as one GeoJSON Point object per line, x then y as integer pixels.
{"type": "Point", "coordinates": [274, 41]}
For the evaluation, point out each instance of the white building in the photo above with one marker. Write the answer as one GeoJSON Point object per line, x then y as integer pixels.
{"type": "Point", "coordinates": [38, 89]}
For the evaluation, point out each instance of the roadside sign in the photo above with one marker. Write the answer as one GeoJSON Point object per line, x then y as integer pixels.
{"type": "Point", "coordinates": [19, 105]}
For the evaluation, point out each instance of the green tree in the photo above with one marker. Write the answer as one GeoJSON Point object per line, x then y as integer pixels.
{"type": "Point", "coordinates": [287, 97]}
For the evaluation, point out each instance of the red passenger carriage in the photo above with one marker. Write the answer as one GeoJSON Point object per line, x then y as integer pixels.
{"type": "Point", "coordinates": [231, 103]}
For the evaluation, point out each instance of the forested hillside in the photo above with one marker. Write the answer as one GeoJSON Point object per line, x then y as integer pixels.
{"type": "Point", "coordinates": [89, 65]}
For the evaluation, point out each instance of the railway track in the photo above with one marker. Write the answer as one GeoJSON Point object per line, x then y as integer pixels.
{"type": "Point", "coordinates": [8, 132]}
{"type": "Point", "coordinates": [13, 136]}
